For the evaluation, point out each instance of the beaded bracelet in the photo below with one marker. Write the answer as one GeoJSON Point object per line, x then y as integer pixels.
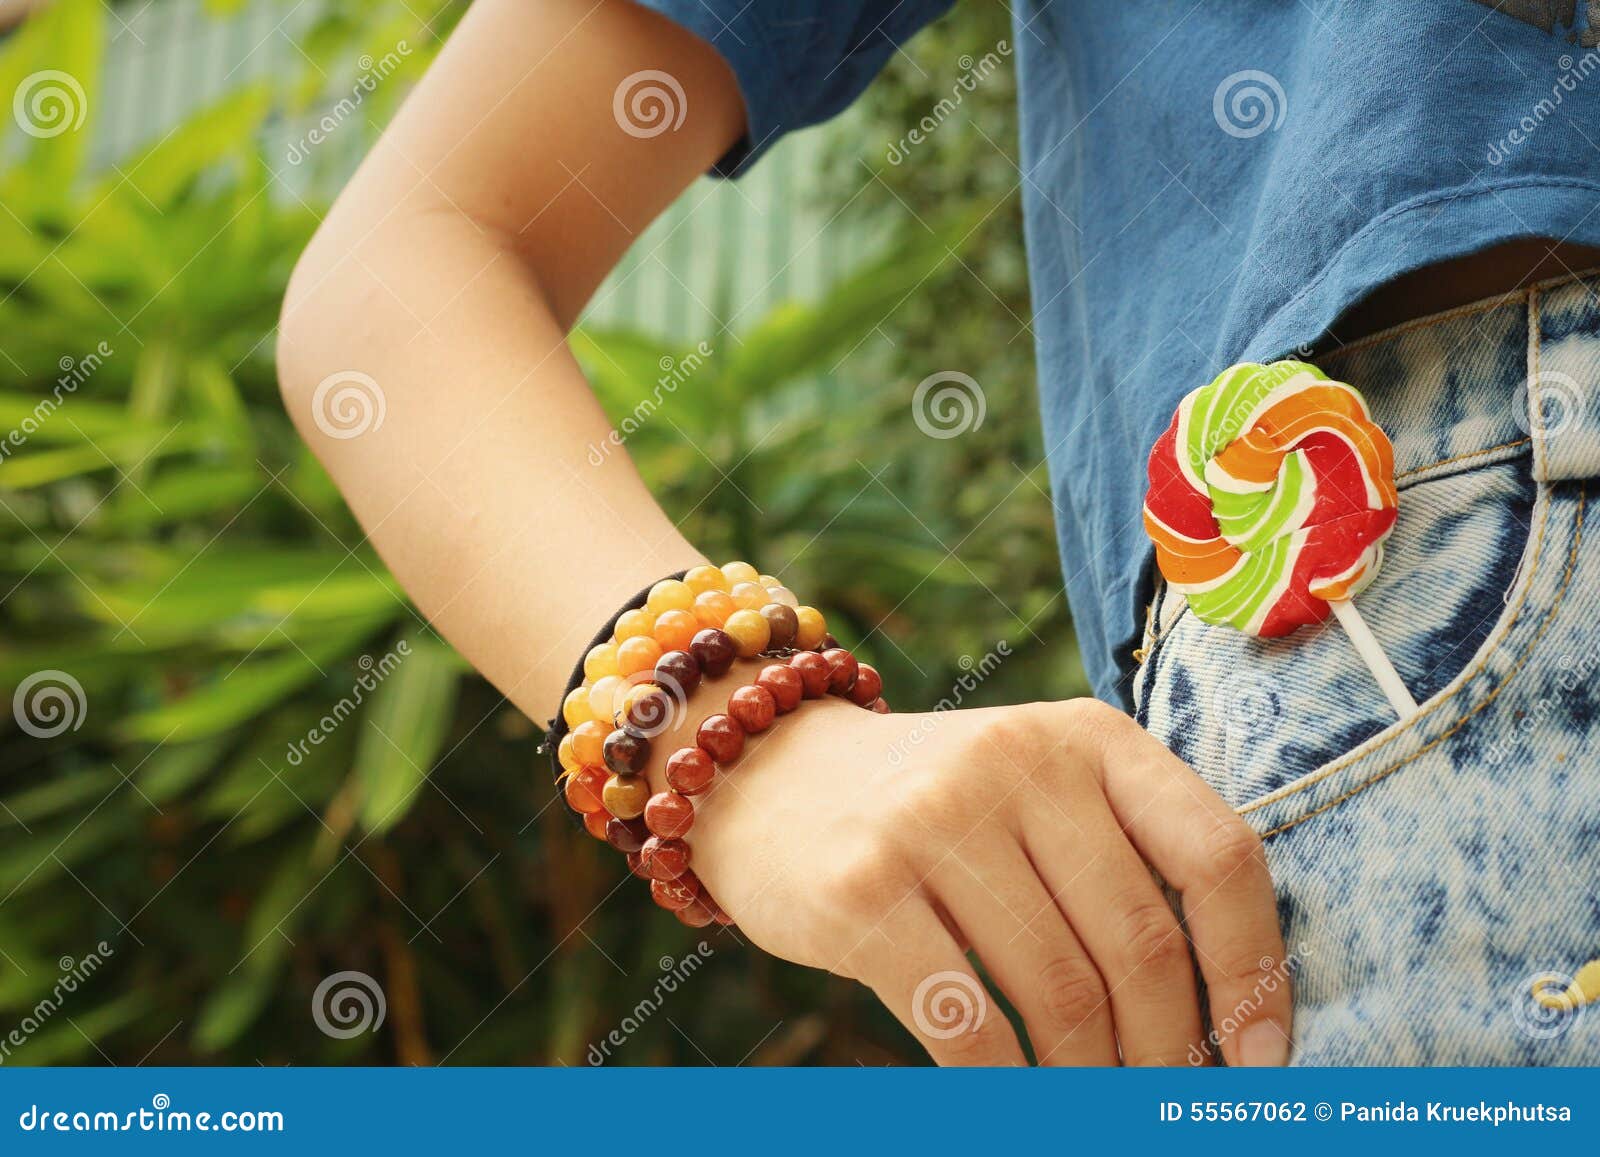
{"type": "Point", "coordinates": [636, 681]}
{"type": "Point", "coordinates": [661, 855]}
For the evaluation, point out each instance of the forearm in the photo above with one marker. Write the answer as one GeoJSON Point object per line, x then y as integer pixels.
{"type": "Point", "coordinates": [477, 487]}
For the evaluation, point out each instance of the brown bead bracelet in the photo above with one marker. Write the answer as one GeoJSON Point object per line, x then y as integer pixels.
{"type": "Point", "coordinates": [663, 856]}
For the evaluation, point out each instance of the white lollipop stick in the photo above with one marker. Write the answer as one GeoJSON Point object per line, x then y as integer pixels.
{"type": "Point", "coordinates": [1372, 654]}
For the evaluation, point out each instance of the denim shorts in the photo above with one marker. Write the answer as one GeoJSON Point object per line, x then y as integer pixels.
{"type": "Point", "coordinates": [1429, 873]}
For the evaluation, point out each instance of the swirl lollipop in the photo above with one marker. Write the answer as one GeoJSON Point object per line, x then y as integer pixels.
{"type": "Point", "coordinates": [1270, 496]}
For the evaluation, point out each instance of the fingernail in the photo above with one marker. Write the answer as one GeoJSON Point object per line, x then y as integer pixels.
{"type": "Point", "coordinates": [1263, 1045]}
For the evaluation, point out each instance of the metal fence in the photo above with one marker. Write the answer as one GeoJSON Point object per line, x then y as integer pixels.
{"type": "Point", "coordinates": [720, 253]}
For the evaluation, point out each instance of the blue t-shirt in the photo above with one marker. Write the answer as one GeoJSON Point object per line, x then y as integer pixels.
{"type": "Point", "coordinates": [1212, 183]}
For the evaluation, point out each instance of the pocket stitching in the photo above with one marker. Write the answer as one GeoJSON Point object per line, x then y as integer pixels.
{"type": "Point", "coordinates": [1566, 582]}
{"type": "Point", "coordinates": [1461, 681]}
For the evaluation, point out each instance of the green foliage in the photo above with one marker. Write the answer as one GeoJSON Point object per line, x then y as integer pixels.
{"type": "Point", "coordinates": [273, 770]}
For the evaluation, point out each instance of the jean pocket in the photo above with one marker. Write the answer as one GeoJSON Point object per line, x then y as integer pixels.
{"type": "Point", "coordinates": [1265, 720]}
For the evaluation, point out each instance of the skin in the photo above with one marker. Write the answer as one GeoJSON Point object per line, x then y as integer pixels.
{"type": "Point", "coordinates": [449, 272]}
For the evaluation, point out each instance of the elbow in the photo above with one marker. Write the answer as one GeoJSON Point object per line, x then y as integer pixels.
{"type": "Point", "coordinates": [319, 350]}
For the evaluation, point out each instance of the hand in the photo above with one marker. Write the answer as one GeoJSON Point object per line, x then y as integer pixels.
{"type": "Point", "coordinates": [880, 847]}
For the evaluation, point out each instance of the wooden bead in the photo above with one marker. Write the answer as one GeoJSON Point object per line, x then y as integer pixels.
{"type": "Point", "coordinates": [690, 770]}
{"type": "Point", "coordinates": [665, 859]}
{"type": "Point", "coordinates": [603, 698]}
{"type": "Point", "coordinates": [712, 608]}
{"type": "Point", "coordinates": [720, 738]}
{"type": "Point", "coordinates": [625, 752]}
{"type": "Point", "coordinates": [600, 662]}
{"type": "Point", "coordinates": [752, 708]}
{"type": "Point", "coordinates": [842, 668]}
{"type": "Point", "coordinates": [669, 814]}
{"type": "Point", "coordinates": [627, 836]}
{"type": "Point", "coordinates": [880, 706]}
{"type": "Point", "coordinates": [811, 627]}
{"type": "Point", "coordinates": [674, 894]}
{"type": "Point", "coordinates": [595, 823]}
{"type": "Point", "coordinates": [739, 572]}
{"type": "Point", "coordinates": [675, 629]}
{"type": "Point", "coordinates": [637, 654]}
{"type": "Point", "coordinates": [749, 632]}
{"type": "Point", "coordinates": [636, 865]}
{"type": "Point", "coordinates": [715, 650]}
{"type": "Point", "coordinates": [696, 914]}
{"type": "Point", "coordinates": [705, 578]}
{"type": "Point", "coordinates": [669, 595]}
{"type": "Point", "coordinates": [634, 624]}
{"type": "Point", "coordinates": [584, 788]}
{"type": "Point", "coordinates": [626, 795]}
{"type": "Point", "coordinates": [813, 670]}
{"type": "Point", "coordinates": [784, 685]}
{"type": "Point", "coordinates": [749, 596]}
{"type": "Point", "coordinates": [868, 686]}
{"type": "Point", "coordinates": [782, 594]}
{"type": "Point", "coordinates": [678, 673]}
{"type": "Point", "coordinates": [575, 707]}
{"type": "Point", "coordinates": [567, 754]}
{"type": "Point", "coordinates": [782, 626]}
{"type": "Point", "coordinates": [588, 741]}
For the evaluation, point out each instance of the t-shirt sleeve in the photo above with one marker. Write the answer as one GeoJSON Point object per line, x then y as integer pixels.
{"type": "Point", "coordinates": [797, 62]}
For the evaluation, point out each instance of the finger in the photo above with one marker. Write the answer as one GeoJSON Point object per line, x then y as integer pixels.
{"type": "Point", "coordinates": [1217, 864]}
{"type": "Point", "coordinates": [996, 897]}
{"type": "Point", "coordinates": [916, 969]}
{"type": "Point", "coordinates": [1108, 896]}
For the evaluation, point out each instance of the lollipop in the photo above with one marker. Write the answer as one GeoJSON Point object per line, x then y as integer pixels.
{"type": "Point", "coordinates": [1271, 493]}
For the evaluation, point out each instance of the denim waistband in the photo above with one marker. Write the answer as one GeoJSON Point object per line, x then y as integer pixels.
{"type": "Point", "coordinates": [1453, 389]}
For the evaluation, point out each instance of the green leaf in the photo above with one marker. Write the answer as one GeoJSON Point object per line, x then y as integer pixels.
{"type": "Point", "coordinates": [404, 728]}
{"type": "Point", "coordinates": [796, 339]}
{"type": "Point", "coordinates": [50, 69]}
{"type": "Point", "coordinates": [162, 172]}
{"type": "Point", "coordinates": [229, 698]}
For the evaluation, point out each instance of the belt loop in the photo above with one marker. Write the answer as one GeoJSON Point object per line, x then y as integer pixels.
{"type": "Point", "coordinates": [1531, 397]}
{"type": "Point", "coordinates": [1562, 394]}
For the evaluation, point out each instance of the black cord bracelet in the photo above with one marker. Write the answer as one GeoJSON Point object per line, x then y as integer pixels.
{"type": "Point", "coordinates": [557, 730]}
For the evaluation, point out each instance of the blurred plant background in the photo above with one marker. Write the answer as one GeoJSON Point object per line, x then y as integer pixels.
{"type": "Point", "coordinates": [185, 601]}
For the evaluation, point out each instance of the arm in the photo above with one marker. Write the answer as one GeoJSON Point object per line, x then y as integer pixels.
{"type": "Point", "coordinates": [449, 273]}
